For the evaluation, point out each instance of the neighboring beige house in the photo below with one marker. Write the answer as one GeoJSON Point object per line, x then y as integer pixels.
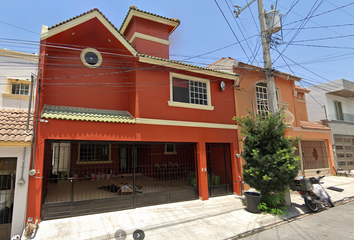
{"type": "Point", "coordinates": [15, 142]}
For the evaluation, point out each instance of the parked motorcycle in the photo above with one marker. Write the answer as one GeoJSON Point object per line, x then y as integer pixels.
{"type": "Point", "coordinates": [312, 192]}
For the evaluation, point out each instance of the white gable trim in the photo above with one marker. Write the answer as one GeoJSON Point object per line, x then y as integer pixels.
{"type": "Point", "coordinates": [73, 23]}
{"type": "Point", "coordinates": [149, 38]}
{"type": "Point", "coordinates": [148, 17]}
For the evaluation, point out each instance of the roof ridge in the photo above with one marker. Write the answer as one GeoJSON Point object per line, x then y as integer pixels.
{"type": "Point", "coordinates": [132, 7]}
{"type": "Point", "coordinates": [88, 12]}
{"type": "Point", "coordinates": [186, 64]}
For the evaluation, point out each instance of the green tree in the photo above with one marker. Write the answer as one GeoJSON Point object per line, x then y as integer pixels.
{"type": "Point", "coordinates": [270, 162]}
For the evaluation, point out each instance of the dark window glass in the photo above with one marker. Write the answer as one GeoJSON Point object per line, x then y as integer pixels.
{"type": "Point", "coordinates": [180, 90]}
{"type": "Point", "coordinates": [91, 58]}
{"type": "Point", "coordinates": [5, 182]}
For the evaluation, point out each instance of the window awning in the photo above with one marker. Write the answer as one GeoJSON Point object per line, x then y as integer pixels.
{"type": "Point", "coordinates": [86, 114]}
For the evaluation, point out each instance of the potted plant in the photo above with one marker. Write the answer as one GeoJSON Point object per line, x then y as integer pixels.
{"type": "Point", "coordinates": [270, 165]}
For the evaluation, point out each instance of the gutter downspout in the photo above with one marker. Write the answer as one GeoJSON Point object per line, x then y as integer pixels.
{"type": "Point", "coordinates": [21, 182]}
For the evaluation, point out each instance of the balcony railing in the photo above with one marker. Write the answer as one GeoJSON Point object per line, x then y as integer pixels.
{"type": "Point", "coordinates": [346, 117]}
{"type": "Point", "coordinates": [262, 105]}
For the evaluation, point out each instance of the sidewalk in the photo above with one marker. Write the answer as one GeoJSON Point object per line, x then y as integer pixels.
{"type": "Point", "coordinates": [218, 218]}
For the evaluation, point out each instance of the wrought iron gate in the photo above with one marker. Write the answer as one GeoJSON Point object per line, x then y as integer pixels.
{"type": "Point", "coordinates": [219, 169]}
{"type": "Point", "coordinates": [7, 190]}
{"type": "Point", "coordinates": [91, 177]}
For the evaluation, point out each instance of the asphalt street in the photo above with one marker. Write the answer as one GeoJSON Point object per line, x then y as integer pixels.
{"type": "Point", "coordinates": [334, 223]}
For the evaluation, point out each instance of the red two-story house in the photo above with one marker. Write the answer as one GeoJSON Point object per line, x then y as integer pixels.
{"type": "Point", "coordinates": [120, 125]}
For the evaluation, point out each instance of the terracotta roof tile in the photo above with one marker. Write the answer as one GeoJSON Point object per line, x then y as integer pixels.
{"type": "Point", "coordinates": [13, 125]}
{"type": "Point", "coordinates": [313, 125]}
{"type": "Point", "coordinates": [301, 89]}
{"type": "Point", "coordinates": [188, 65]}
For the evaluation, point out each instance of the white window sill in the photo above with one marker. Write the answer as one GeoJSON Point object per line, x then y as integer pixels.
{"type": "Point", "coordinates": [190, 105]}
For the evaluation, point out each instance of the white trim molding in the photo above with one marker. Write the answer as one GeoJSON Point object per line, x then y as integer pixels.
{"type": "Point", "coordinates": [149, 38]}
{"type": "Point", "coordinates": [190, 105]}
{"type": "Point", "coordinates": [184, 123]}
{"type": "Point", "coordinates": [46, 33]}
{"type": "Point", "coordinates": [148, 17]}
{"type": "Point", "coordinates": [83, 59]}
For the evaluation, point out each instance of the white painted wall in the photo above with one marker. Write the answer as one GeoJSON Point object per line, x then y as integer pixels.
{"type": "Point", "coordinates": [19, 66]}
{"type": "Point", "coordinates": [20, 198]}
{"type": "Point", "coordinates": [347, 105]}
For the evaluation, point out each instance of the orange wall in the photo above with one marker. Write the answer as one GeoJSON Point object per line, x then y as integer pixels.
{"type": "Point", "coordinates": [247, 95]}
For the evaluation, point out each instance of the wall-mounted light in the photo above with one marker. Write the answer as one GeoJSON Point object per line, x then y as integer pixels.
{"type": "Point", "coordinates": [44, 120]}
{"type": "Point", "coordinates": [237, 155]}
{"type": "Point", "coordinates": [32, 172]}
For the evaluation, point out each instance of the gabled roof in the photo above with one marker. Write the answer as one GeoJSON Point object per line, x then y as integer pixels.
{"type": "Point", "coordinates": [184, 66]}
{"type": "Point", "coordinates": [242, 65]}
{"type": "Point", "coordinates": [72, 22]}
{"type": "Point", "coordinates": [13, 123]}
{"type": "Point", "coordinates": [134, 11]}
{"type": "Point", "coordinates": [301, 89]}
{"type": "Point", "coordinates": [86, 114]}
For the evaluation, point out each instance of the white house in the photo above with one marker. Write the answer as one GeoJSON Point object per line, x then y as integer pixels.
{"type": "Point", "coordinates": [333, 104]}
{"type": "Point", "coordinates": [15, 138]}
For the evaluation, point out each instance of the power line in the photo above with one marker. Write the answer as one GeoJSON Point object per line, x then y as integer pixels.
{"type": "Point", "coordinates": [232, 30]}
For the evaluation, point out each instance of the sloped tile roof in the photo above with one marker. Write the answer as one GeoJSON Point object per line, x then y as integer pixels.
{"type": "Point", "coordinates": [132, 7]}
{"type": "Point", "coordinates": [255, 68]}
{"type": "Point", "coordinates": [313, 125]}
{"type": "Point", "coordinates": [301, 89]}
{"type": "Point", "coordinates": [188, 65]}
{"type": "Point", "coordinates": [86, 114]}
{"type": "Point", "coordinates": [13, 124]}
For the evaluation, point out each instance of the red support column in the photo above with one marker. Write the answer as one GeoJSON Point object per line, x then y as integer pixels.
{"type": "Point", "coordinates": [202, 171]}
{"type": "Point", "coordinates": [236, 169]}
{"type": "Point", "coordinates": [35, 184]}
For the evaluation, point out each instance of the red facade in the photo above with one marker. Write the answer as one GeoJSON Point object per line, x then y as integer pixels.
{"type": "Point", "coordinates": [127, 80]}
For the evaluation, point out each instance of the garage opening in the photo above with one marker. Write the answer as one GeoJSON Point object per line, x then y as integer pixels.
{"type": "Point", "coordinates": [90, 177]}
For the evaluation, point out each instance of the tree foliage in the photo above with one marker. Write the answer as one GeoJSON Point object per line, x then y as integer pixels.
{"type": "Point", "coordinates": [269, 156]}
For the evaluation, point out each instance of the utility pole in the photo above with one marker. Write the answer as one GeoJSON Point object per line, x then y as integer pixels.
{"type": "Point", "coordinates": [266, 32]}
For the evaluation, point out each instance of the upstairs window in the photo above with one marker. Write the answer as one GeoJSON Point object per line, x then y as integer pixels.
{"type": "Point", "coordinates": [20, 89]}
{"type": "Point", "coordinates": [262, 100]}
{"type": "Point", "coordinates": [190, 92]}
{"type": "Point", "coordinates": [339, 111]}
{"type": "Point", "coordinates": [17, 89]}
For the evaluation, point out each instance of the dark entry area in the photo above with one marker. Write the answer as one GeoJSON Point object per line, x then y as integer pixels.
{"type": "Point", "coordinates": [90, 177]}
{"type": "Point", "coordinates": [219, 169]}
{"type": "Point", "coordinates": [7, 191]}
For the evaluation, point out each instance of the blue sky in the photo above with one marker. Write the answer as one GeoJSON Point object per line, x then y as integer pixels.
{"type": "Point", "coordinates": [203, 30]}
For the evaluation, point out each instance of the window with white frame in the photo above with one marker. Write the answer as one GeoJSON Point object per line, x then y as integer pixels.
{"type": "Point", "coordinates": [90, 153]}
{"type": "Point", "coordinates": [262, 100]}
{"type": "Point", "coordinates": [17, 89]}
{"type": "Point", "coordinates": [20, 88]}
{"type": "Point", "coordinates": [190, 92]}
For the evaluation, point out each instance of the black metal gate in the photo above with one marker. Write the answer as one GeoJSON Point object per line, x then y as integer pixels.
{"type": "Point", "coordinates": [219, 169]}
{"type": "Point", "coordinates": [7, 190]}
{"type": "Point", "coordinates": [91, 177]}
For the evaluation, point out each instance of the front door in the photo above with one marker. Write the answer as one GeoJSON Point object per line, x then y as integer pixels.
{"type": "Point", "coordinates": [219, 169]}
